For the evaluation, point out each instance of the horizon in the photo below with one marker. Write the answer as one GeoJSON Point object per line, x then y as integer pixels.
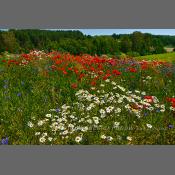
{"type": "Point", "coordinates": [94, 32]}
{"type": "Point", "coordinates": [98, 32]}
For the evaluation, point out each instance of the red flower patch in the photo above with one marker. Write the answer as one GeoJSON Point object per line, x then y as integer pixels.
{"type": "Point", "coordinates": [74, 86]}
{"type": "Point", "coordinates": [116, 72]}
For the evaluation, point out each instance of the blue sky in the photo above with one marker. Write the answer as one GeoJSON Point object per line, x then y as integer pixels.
{"type": "Point", "coordinates": [124, 31]}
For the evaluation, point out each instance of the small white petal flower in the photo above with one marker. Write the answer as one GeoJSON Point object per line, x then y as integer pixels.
{"type": "Point", "coordinates": [103, 137]}
{"type": "Point", "coordinates": [149, 125]}
{"type": "Point", "coordinates": [102, 111]}
{"type": "Point", "coordinates": [129, 138]}
{"type": "Point", "coordinates": [78, 139]}
{"type": "Point", "coordinates": [70, 126]}
{"type": "Point", "coordinates": [30, 124]}
{"type": "Point", "coordinates": [113, 83]}
{"type": "Point", "coordinates": [88, 108]}
{"type": "Point", "coordinates": [108, 80]}
{"type": "Point", "coordinates": [84, 129]}
{"type": "Point", "coordinates": [48, 115]}
{"type": "Point", "coordinates": [42, 139]}
{"type": "Point", "coordinates": [103, 115]}
{"type": "Point", "coordinates": [44, 134]}
{"type": "Point", "coordinates": [89, 121]}
{"type": "Point", "coordinates": [121, 88]}
{"type": "Point", "coordinates": [143, 93]}
{"type": "Point", "coordinates": [116, 124]}
{"type": "Point", "coordinates": [50, 139]}
{"type": "Point", "coordinates": [118, 110]}
{"type": "Point", "coordinates": [96, 120]}
{"type": "Point", "coordinates": [109, 138]}
{"type": "Point", "coordinates": [40, 123]}
{"type": "Point", "coordinates": [72, 116]}
{"type": "Point", "coordinates": [37, 133]}
{"type": "Point", "coordinates": [65, 132]}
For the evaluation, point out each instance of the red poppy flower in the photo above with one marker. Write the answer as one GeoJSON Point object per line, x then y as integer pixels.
{"type": "Point", "coordinates": [144, 67]}
{"type": "Point", "coordinates": [149, 99]}
{"type": "Point", "coordinates": [93, 83]}
{"type": "Point", "coordinates": [112, 62]}
{"type": "Point", "coordinates": [70, 68]}
{"type": "Point", "coordinates": [172, 100]}
{"type": "Point", "coordinates": [74, 85]}
{"type": "Point", "coordinates": [64, 72]}
{"type": "Point", "coordinates": [173, 105]}
{"type": "Point", "coordinates": [132, 69]}
{"type": "Point", "coordinates": [106, 76]}
{"type": "Point", "coordinates": [53, 67]}
{"type": "Point", "coordinates": [116, 72]}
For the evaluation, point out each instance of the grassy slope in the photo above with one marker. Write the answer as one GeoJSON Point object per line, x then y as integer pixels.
{"type": "Point", "coordinates": [161, 57]}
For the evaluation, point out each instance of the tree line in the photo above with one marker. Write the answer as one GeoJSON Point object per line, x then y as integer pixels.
{"type": "Point", "coordinates": [75, 42]}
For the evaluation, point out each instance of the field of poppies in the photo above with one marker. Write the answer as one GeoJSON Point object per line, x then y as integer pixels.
{"type": "Point", "coordinates": [54, 98]}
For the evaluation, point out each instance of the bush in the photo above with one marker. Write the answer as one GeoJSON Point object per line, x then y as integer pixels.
{"type": "Point", "coordinates": [133, 54]}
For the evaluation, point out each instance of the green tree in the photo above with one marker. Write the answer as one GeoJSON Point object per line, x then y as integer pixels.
{"type": "Point", "coordinates": [126, 44]}
{"type": "Point", "coordinates": [10, 42]}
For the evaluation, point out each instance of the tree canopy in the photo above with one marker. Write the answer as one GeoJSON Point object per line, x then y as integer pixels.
{"type": "Point", "coordinates": [75, 42]}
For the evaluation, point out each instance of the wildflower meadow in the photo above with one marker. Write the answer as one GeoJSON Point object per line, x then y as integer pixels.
{"type": "Point", "coordinates": [58, 98]}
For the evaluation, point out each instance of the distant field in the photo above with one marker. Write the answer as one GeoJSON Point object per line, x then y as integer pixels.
{"type": "Point", "coordinates": [161, 57]}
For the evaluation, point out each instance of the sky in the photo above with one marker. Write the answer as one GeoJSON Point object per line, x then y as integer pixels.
{"type": "Point", "coordinates": [125, 31]}
{"type": "Point", "coordinates": [122, 31]}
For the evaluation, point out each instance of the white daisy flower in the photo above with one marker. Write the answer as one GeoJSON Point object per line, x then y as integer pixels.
{"type": "Point", "coordinates": [109, 138]}
{"type": "Point", "coordinates": [72, 116]}
{"type": "Point", "coordinates": [136, 91]}
{"type": "Point", "coordinates": [78, 139]}
{"type": "Point", "coordinates": [103, 115]}
{"type": "Point", "coordinates": [30, 124]}
{"type": "Point", "coordinates": [50, 139]}
{"type": "Point", "coordinates": [109, 109]}
{"type": "Point", "coordinates": [84, 129]}
{"type": "Point", "coordinates": [108, 80]}
{"type": "Point", "coordinates": [65, 132]}
{"type": "Point", "coordinates": [44, 134]}
{"type": "Point", "coordinates": [89, 121]}
{"type": "Point", "coordinates": [116, 124]}
{"type": "Point", "coordinates": [42, 139]}
{"type": "Point", "coordinates": [149, 125]}
{"type": "Point", "coordinates": [96, 120]}
{"type": "Point", "coordinates": [143, 93]}
{"type": "Point", "coordinates": [88, 108]}
{"type": "Point", "coordinates": [37, 133]}
{"type": "Point", "coordinates": [103, 137]}
{"type": "Point", "coordinates": [113, 83]}
{"type": "Point", "coordinates": [118, 110]}
{"type": "Point", "coordinates": [48, 115]}
{"type": "Point", "coordinates": [70, 126]}
{"type": "Point", "coordinates": [129, 138]}
{"type": "Point", "coordinates": [40, 123]}
{"type": "Point", "coordinates": [102, 111]}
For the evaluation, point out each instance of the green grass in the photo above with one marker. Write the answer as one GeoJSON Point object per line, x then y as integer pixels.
{"type": "Point", "coordinates": [170, 57]}
{"type": "Point", "coordinates": [26, 95]}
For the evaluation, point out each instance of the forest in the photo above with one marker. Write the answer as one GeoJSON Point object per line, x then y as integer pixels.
{"type": "Point", "coordinates": [75, 42]}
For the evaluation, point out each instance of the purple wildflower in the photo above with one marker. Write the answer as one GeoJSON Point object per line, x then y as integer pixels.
{"type": "Point", "coordinates": [19, 94]}
{"type": "Point", "coordinates": [170, 126]}
{"type": "Point", "coordinates": [4, 141]}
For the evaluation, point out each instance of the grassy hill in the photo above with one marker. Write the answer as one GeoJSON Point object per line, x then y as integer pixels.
{"type": "Point", "coordinates": [170, 57]}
